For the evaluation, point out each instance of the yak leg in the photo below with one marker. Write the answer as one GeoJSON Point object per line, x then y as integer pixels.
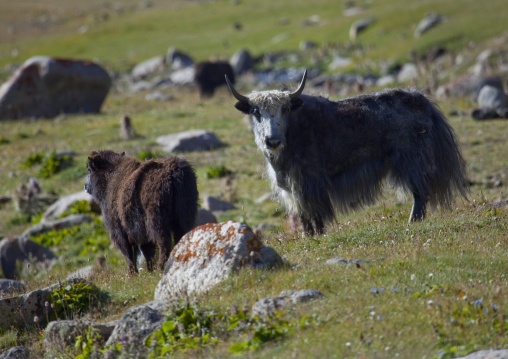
{"type": "Point", "coordinates": [419, 209]}
{"type": "Point", "coordinates": [318, 224]}
{"type": "Point", "coordinates": [307, 226]}
{"type": "Point", "coordinates": [130, 252]}
{"type": "Point", "coordinates": [148, 250]}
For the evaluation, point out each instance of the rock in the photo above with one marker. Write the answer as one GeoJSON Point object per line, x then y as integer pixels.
{"type": "Point", "coordinates": [484, 114]}
{"type": "Point", "coordinates": [193, 140]}
{"type": "Point", "coordinates": [241, 62]}
{"type": "Point", "coordinates": [148, 68]}
{"type": "Point", "coordinates": [183, 76]}
{"type": "Point", "coordinates": [385, 80]}
{"type": "Point", "coordinates": [158, 96]}
{"type": "Point", "coordinates": [28, 198]}
{"type": "Point", "coordinates": [269, 306]}
{"type": "Point", "coordinates": [338, 260]}
{"type": "Point", "coordinates": [487, 354]}
{"type": "Point", "coordinates": [85, 273]}
{"type": "Point", "coordinates": [408, 72]}
{"type": "Point", "coordinates": [468, 86]}
{"type": "Point", "coordinates": [338, 62]}
{"type": "Point", "coordinates": [25, 310]}
{"type": "Point", "coordinates": [63, 204]}
{"type": "Point", "coordinates": [204, 217]}
{"type": "Point", "coordinates": [216, 205]}
{"type": "Point", "coordinates": [307, 45]}
{"type": "Point", "coordinates": [58, 224]}
{"type": "Point", "coordinates": [492, 97]}
{"type": "Point", "coordinates": [8, 286]}
{"type": "Point", "coordinates": [16, 353]}
{"type": "Point", "coordinates": [46, 87]}
{"type": "Point", "coordinates": [177, 59]}
{"type": "Point", "coordinates": [137, 323]}
{"type": "Point", "coordinates": [359, 26]}
{"type": "Point", "coordinates": [21, 249]}
{"type": "Point", "coordinates": [61, 334]}
{"type": "Point", "coordinates": [208, 254]}
{"type": "Point", "coordinates": [427, 23]}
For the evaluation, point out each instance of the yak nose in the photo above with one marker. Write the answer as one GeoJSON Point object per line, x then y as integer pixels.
{"type": "Point", "coordinates": [272, 143]}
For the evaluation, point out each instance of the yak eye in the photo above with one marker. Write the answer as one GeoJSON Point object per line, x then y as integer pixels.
{"type": "Point", "coordinates": [255, 111]}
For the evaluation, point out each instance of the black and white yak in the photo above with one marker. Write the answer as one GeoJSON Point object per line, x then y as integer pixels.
{"type": "Point", "coordinates": [327, 157]}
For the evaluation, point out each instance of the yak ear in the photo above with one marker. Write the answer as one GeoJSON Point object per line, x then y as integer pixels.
{"type": "Point", "coordinates": [97, 163]}
{"type": "Point", "coordinates": [243, 107]}
{"type": "Point", "coordinates": [122, 154]}
{"type": "Point", "coordinates": [296, 103]}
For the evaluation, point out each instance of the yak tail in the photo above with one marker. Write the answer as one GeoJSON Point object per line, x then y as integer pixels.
{"type": "Point", "coordinates": [433, 167]}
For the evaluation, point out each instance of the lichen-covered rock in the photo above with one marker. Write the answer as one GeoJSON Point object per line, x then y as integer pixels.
{"type": "Point", "coordinates": [268, 306]}
{"type": "Point", "coordinates": [16, 353]}
{"type": "Point", "coordinates": [208, 254]}
{"type": "Point", "coordinates": [136, 324]}
{"type": "Point", "coordinates": [61, 334]}
{"type": "Point", "coordinates": [29, 309]}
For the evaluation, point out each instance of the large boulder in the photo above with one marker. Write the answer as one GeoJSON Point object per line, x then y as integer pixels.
{"type": "Point", "coordinates": [189, 141]}
{"type": "Point", "coordinates": [21, 249]}
{"type": "Point", "coordinates": [136, 324]}
{"type": "Point", "coordinates": [492, 97]}
{"type": "Point", "coordinates": [61, 334]}
{"type": "Point", "coordinates": [16, 353]}
{"type": "Point", "coordinates": [46, 87]}
{"type": "Point", "coordinates": [208, 254]}
{"type": "Point", "coordinates": [30, 308]}
{"type": "Point", "coordinates": [63, 204]}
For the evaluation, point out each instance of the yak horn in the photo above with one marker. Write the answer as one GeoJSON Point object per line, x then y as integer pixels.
{"type": "Point", "coordinates": [298, 92]}
{"type": "Point", "coordinates": [235, 93]}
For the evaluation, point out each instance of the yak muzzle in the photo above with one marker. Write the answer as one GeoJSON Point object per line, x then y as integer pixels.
{"type": "Point", "coordinates": [273, 143]}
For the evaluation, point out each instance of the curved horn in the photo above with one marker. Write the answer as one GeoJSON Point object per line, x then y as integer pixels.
{"type": "Point", "coordinates": [298, 91]}
{"type": "Point", "coordinates": [235, 93]}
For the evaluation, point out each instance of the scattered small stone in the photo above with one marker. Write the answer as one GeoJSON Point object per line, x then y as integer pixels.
{"type": "Point", "coordinates": [270, 305]}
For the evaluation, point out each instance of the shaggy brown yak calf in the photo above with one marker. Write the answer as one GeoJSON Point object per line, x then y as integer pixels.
{"type": "Point", "coordinates": [144, 204]}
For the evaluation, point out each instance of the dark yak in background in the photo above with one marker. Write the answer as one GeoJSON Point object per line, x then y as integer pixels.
{"type": "Point", "coordinates": [144, 204]}
{"type": "Point", "coordinates": [325, 157]}
{"type": "Point", "coordinates": [210, 75]}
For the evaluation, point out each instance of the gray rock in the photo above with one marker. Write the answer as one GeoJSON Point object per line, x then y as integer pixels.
{"type": "Point", "coordinates": [177, 59]}
{"type": "Point", "coordinates": [21, 249]}
{"type": "Point", "coordinates": [158, 96]}
{"type": "Point", "coordinates": [204, 217]}
{"type": "Point", "coordinates": [189, 141]}
{"type": "Point", "coordinates": [16, 353]}
{"type": "Point", "coordinates": [492, 97]}
{"type": "Point", "coordinates": [183, 76]}
{"type": "Point", "coordinates": [8, 286]}
{"type": "Point", "coordinates": [63, 204]}
{"type": "Point", "coordinates": [408, 72]}
{"type": "Point", "coordinates": [208, 255]}
{"type": "Point", "coordinates": [338, 62]}
{"type": "Point", "coordinates": [137, 323]}
{"type": "Point", "coordinates": [468, 86]}
{"type": "Point", "coordinates": [148, 68]}
{"type": "Point", "coordinates": [359, 26]}
{"type": "Point", "coordinates": [427, 23]}
{"type": "Point", "coordinates": [338, 260]}
{"type": "Point", "coordinates": [61, 334]}
{"type": "Point", "coordinates": [85, 272]}
{"type": "Point", "coordinates": [46, 87]}
{"type": "Point", "coordinates": [487, 354]}
{"type": "Point", "coordinates": [25, 310]}
{"type": "Point", "coordinates": [270, 305]}
{"type": "Point", "coordinates": [241, 62]}
{"type": "Point", "coordinates": [307, 45]}
{"type": "Point", "coordinates": [216, 205]}
{"type": "Point", "coordinates": [66, 222]}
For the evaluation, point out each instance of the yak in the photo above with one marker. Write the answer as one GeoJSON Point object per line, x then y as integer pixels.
{"type": "Point", "coordinates": [144, 204]}
{"type": "Point", "coordinates": [210, 75]}
{"type": "Point", "coordinates": [325, 157]}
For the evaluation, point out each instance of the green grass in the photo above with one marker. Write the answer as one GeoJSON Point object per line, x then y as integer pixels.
{"type": "Point", "coordinates": [432, 287]}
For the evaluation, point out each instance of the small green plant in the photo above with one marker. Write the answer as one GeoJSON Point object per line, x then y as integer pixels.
{"type": "Point", "coordinates": [4, 141]}
{"type": "Point", "coordinates": [78, 207]}
{"type": "Point", "coordinates": [218, 171]}
{"type": "Point", "coordinates": [73, 299]}
{"type": "Point", "coordinates": [51, 163]}
{"type": "Point", "coordinates": [147, 155]}
{"type": "Point", "coordinates": [33, 159]}
{"type": "Point", "coordinates": [87, 344]}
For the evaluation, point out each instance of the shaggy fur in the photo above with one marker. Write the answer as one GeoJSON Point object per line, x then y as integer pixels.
{"type": "Point", "coordinates": [144, 204]}
{"type": "Point", "coordinates": [210, 75]}
{"type": "Point", "coordinates": [326, 157]}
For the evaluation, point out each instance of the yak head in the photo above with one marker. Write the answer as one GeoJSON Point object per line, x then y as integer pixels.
{"type": "Point", "coordinates": [269, 112]}
{"type": "Point", "coordinates": [100, 166]}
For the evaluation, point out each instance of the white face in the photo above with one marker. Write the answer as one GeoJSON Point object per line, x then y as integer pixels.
{"type": "Point", "coordinates": [269, 130]}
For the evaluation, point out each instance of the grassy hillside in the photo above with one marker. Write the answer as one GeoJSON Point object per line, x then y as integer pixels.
{"type": "Point", "coordinates": [435, 289]}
